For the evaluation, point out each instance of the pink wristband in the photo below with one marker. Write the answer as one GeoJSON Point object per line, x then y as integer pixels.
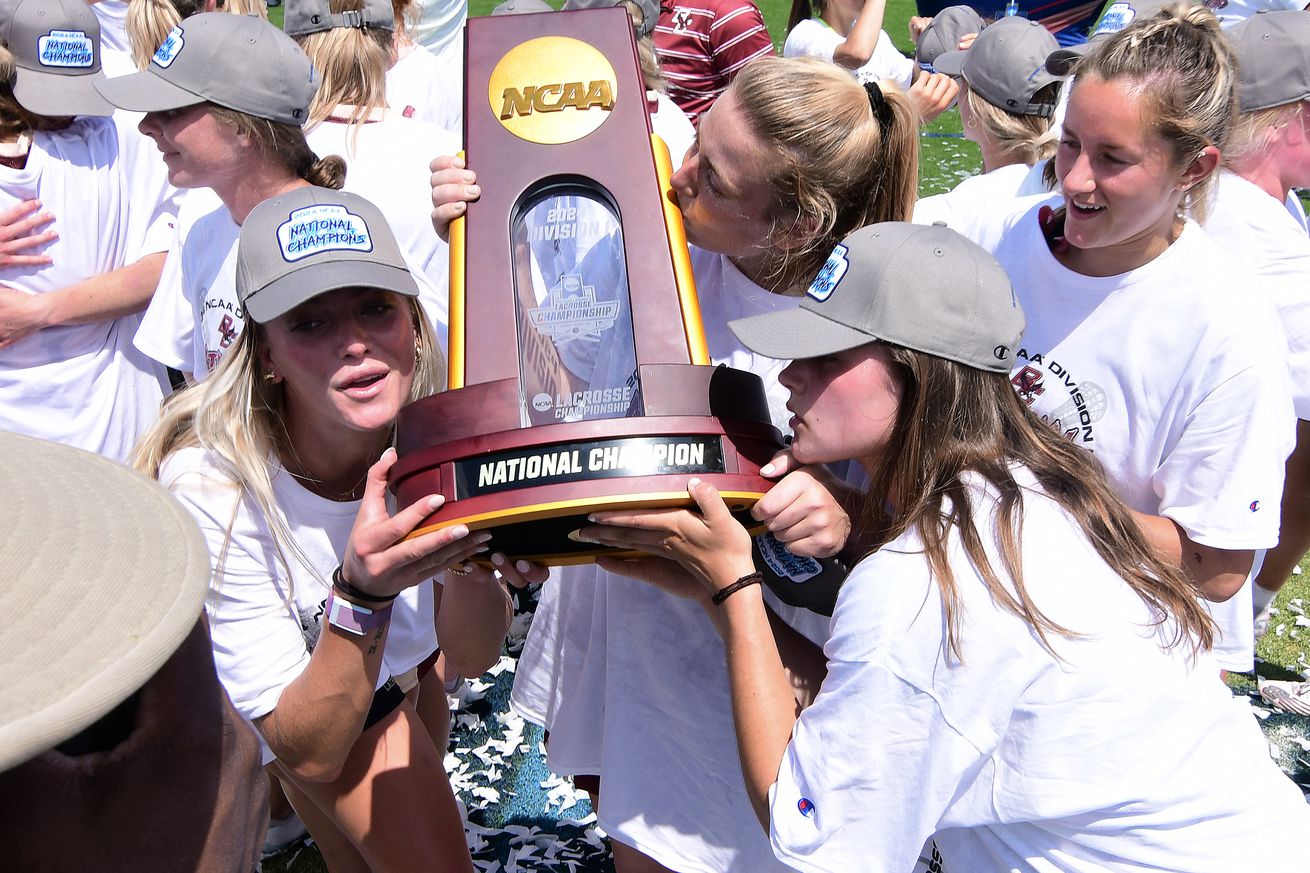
{"type": "Point", "coordinates": [353, 618]}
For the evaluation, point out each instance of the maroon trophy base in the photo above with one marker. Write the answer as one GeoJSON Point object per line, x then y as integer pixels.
{"type": "Point", "coordinates": [533, 486]}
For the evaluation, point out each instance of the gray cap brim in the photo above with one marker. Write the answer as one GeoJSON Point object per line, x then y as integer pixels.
{"type": "Point", "coordinates": [796, 333]}
{"type": "Point", "coordinates": [285, 294]}
{"type": "Point", "coordinates": [60, 96]}
{"type": "Point", "coordinates": [1061, 63]}
{"type": "Point", "coordinates": [951, 63]}
{"type": "Point", "coordinates": [146, 92]}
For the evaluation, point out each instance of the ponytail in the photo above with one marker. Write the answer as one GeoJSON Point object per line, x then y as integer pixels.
{"type": "Point", "coordinates": [800, 11]}
{"type": "Point", "coordinates": [847, 154]}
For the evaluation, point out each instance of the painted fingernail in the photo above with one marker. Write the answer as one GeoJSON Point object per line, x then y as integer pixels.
{"type": "Point", "coordinates": [693, 482]}
{"type": "Point", "coordinates": [436, 500]}
{"type": "Point", "coordinates": [483, 536]}
{"type": "Point", "coordinates": [459, 531]}
{"type": "Point", "coordinates": [577, 537]}
{"type": "Point", "coordinates": [468, 176]}
{"type": "Point", "coordinates": [498, 559]}
{"type": "Point", "coordinates": [522, 566]}
{"type": "Point", "coordinates": [472, 190]}
{"type": "Point", "coordinates": [388, 450]}
{"type": "Point", "coordinates": [766, 470]}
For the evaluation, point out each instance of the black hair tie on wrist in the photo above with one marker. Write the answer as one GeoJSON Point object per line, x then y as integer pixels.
{"type": "Point", "coordinates": [728, 590]}
{"type": "Point", "coordinates": [339, 582]}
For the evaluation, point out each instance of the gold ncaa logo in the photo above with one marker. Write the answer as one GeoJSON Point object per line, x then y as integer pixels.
{"type": "Point", "coordinates": [552, 89]}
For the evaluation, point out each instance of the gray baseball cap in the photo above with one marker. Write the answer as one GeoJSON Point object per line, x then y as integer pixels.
{"type": "Point", "coordinates": [922, 287]}
{"type": "Point", "coordinates": [1115, 16]}
{"type": "Point", "coordinates": [1273, 59]}
{"type": "Point", "coordinates": [304, 17]}
{"type": "Point", "coordinates": [56, 49]}
{"type": "Point", "coordinates": [298, 245]}
{"type": "Point", "coordinates": [650, 11]}
{"type": "Point", "coordinates": [1006, 65]}
{"type": "Point", "coordinates": [239, 62]}
{"type": "Point", "coordinates": [944, 34]}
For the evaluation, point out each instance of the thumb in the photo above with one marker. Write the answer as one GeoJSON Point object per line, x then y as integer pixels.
{"type": "Point", "coordinates": [375, 485]}
{"type": "Point", "coordinates": [781, 464]}
{"type": "Point", "coordinates": [707, 498]}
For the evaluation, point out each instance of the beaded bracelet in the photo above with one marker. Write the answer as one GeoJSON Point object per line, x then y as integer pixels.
{"type": "Point", "coordinates": [728, 590]}
{"type": "Point", "coordinates": [339, 582]}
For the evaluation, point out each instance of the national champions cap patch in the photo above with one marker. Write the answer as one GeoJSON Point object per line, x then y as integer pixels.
{"type": "Point", "coordinates": [169, 48]}
{"type": "Point", "coordinates": [1115, 19]}
{"type": "Point", "coordinates": [830, 276]}
{"type": "Point", "coordinates": [65, 49]}
{"type": "Point", "coordinates": [326, 227]}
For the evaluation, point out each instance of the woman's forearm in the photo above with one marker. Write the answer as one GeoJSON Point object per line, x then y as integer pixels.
{"type": "Point", "coordinates": [860, 43]}
{"type": "Point", "coordinates": [1218, 574]}
{"type": "Point", "coordinates": [120, 292]}
{"type": "Point", "coordinates": [763, 706]}
{"type": "Point", "coordinates": [321, 713]}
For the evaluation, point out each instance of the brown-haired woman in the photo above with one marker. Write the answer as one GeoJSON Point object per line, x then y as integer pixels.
{"type": "Point", "coordinates": [630, 682]}
{"type": "Point", "coordinates": [1139, 345]}
{"type": "Point", "coordinates": [1012, 669]}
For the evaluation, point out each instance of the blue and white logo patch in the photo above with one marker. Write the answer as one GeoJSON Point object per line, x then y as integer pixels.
{"type": "Point", "coordinates": [1115, 19]}
{"type": "Point", "coordinates": [826, 282]}
{"type": "Point", "coordinates": [66, 49]}
{"type": "Point", "coordinates": [326, 227]}
{"type": "Point", "coordinates": [784, 563]}
{"type": "Point", "coordinates": [169, 48]}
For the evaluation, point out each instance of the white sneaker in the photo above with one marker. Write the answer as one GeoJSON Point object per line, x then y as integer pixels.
{"type": "Point", "coordinates": [283, 833]}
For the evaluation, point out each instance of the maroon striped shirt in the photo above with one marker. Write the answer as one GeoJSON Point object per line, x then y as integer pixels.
{"type": "Point", "coordinates": [703, 44]}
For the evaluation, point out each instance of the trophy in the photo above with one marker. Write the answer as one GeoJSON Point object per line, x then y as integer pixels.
{"type": "Point", "coordinates": [579, 376]}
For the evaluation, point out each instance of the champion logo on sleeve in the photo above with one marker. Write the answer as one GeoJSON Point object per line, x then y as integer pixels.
{"type": "Point", "coordinates": [830, 276]}
{"type": "Point", "coordinates": [806, 807]}
{"type": "Point", "coordinates": [169, 48]}
{"type": "Point", "coordinates": [325, 227]}
{"type": "Point", "coordinates": [66, 48]}
{"type": "Point", "coordinates": [1255, 505]}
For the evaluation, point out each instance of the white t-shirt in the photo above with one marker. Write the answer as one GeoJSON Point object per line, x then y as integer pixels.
{"type": "Point", "coordinates": [264, 620]}
{"type": "Point", "coordinates": [632, 682]}
{"type": "Point", "coordinates": [82, 385]}
{"type": "Point", "coordinates": [195, 317]}
{"type": "Point", "coordinates": [1229, 12]}
{"type": "Point", "coordinates": [428, 87]}
{"type": "Point", "coordinates": [1179, 387]}
{"type": "Point", "coordinates": [1116, 755]}
{"type": "Point", "coordinates": [112, 15]}
{"type": "Point", "coordinates": [813, 38]}
{"type": "Point", "coordinates": [979, 195]}
{"type": "Point", "coordinates": [1259, 231]}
